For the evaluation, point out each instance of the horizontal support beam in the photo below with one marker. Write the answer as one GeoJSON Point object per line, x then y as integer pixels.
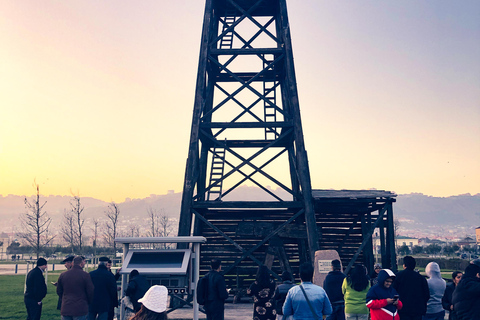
{"type": "Point", "coordinates": [246, 51]}
{"type": "Point", "coordinates": [247, 125]}
{"type": "Point", "coordinates": [267, 76]}
{"type": "Point", "coordinates": [248, 204]}
{"type": "Point", "coordinates": [283, 143]}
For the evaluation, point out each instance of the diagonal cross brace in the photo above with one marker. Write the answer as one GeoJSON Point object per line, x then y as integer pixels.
{"type": "Point", "coordinates": [245, 84]}
{"type": "Point", "coordinates": [247, 14]}
{"type": "Point", "coordinates": [239, 247]}
{"type": "Point", "coordinates": [274, 233]}
{"type": "Point", "coordinates": [248, 161]}
{"type": "Point", "coordinates": [367, 238]}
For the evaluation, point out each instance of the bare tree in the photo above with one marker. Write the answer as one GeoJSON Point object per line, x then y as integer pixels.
{"type": "Point", "coordinates": [134, 230]}
{"type": "Point", "coordinates": [35, 224]}
{"type": "Point", "coordinates": [68, 229]}
{"type": "Point", "coordinates": [165, 225]}
{"type": "Point", "coordinates": [95, 235]}
{"type": "Point", "coordinates": [160, 224]}
{"type": "Point", "coordinates": [77, 209]}
{"type": "Point", "coordinates": [112, 214]}
{"type": "Point", "coordinates": [72, 226]}
{"type": "Point", "coordinates": [396, 227]}
{"type": "Point", "coordinates": [154, 222]}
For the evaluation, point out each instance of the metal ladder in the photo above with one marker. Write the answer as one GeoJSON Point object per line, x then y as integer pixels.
{"type": "Point", "coordinates": [216, 173]}
{"type": "Point", "coordinates": [227, 40]}
{"type": "Point", "coordinates": [269, 92]}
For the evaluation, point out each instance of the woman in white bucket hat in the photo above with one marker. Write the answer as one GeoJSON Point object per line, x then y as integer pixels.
{"type": "Point", "coordinates": [154, 304]}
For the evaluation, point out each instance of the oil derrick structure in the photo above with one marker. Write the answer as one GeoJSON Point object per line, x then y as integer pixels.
{"type": "Point", "coordinates": [246, 129]}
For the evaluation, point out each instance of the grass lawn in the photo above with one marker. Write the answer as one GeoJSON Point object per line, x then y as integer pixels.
{"type": "Point", "coordinates": [11, 298]}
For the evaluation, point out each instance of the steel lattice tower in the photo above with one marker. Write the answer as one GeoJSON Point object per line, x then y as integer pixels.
{"type": "Point", "coordinates": [246, 127]}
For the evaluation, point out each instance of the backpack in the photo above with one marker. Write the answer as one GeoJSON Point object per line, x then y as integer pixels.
{"type": "Point", "coordinates": [202, 290]}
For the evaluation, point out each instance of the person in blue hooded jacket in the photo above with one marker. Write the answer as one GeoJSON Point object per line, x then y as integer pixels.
{"type": "Point", "coordinates": [381, 298]}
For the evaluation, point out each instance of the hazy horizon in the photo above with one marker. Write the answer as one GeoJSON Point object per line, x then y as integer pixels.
{"type": "Point", "coordinates": [170, 192]}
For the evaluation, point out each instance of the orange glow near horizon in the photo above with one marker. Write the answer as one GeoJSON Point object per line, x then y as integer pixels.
{"type": "Point", "coordinates": [97, 98]}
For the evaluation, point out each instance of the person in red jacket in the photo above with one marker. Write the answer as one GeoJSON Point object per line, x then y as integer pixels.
{"type": "Point", "coordinates": [382, 299]}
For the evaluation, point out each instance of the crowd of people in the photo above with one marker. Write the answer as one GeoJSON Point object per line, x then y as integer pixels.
{"type": "Point", "coordinates": [382, 295]}
{"type": "Point", "coordinates": [406, 295]}
{"type": "Point", "coordinates": [93, 296]}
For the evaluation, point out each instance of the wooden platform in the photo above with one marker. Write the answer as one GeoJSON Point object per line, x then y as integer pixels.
{"type": "Point", "coordinates": [246, 234]}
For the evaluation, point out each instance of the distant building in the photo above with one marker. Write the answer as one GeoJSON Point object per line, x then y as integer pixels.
{"type": "Point", "coordinates": [399, 241]}
{"type": "Point", "coordinates": [477, 234]}
{"type": "Point", "coordinates": [406, 241]}
{"type": "Point", "coordinates": [467, 241]}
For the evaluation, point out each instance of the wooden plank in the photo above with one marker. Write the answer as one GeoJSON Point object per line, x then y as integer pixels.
{"type": "Point", "coordinates": [274, 233]}
{"type": "Point", "coordinates": [262, 229]}
{"type": "Point", "coordinates": [352, 194]}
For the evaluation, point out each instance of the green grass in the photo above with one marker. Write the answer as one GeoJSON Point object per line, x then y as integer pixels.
{"type": "Point", "coordinates": [11, 298]}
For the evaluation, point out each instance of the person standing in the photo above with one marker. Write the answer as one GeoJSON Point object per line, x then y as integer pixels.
{"type": "Point", "coordinates": [436, 286]}
{"type": "Point", "coordinates": [355, 288]}
{"type": "Point", "coordinates": [376, 269]}
{"type": "Point", "coordinates": [466, 296]}
{"type": "Point", "coordinates": [217, 292]}
{"type": "Point", "coordinates": [68, 263]}
{"type": "Point", "coordinates": [306, 301]}
{"type": "Point", "coordinates": [281, 293]}
{"type": "Point", "coordinates": [413, 289]}
{"type": "Point", "coordinates": [447, 296]}
{"type": "Point", "coordinates": [154, 304]}
{"type": "Point", "coordinates": [36, 290]}
{"type": "Point", "coordinates": [137, 287]}
{"type": "Point", "coordinates": [111, 312]}
{"type": "Point", "coordinates": [109, 267]}
{"type": "Point", "coordinates": [105, 293]}
{"type": "Point", "coordinates": [76, 289]}
{"type": "Point", "coordinates": [333, 287]}
{"type": "Point", "coordinates": [262, 291]}
{"type": "Point", "coordinates": [382, 299]}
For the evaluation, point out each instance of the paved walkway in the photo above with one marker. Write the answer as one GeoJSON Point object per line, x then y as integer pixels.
{"type": "Point", "coordinates": [238, 311]}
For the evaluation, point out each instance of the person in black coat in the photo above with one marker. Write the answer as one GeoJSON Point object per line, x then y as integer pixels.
{"type": "Point", "coordinates": [333, 287]}
{"type": "Point", "coordinates": [111, 312]}
{"type": "Point", "coordinates": [262, 290]}
{"type": "Point", "coordinates": [466, 296]}
{"type": "Point", "coordinates": [447, 295]}
{"type": "Point", "coordinates": [36, 290]}
{"type": "Point", "coordinates": [413, 290]}
{"type": "Point", "coordinates": [281, 291]}
{"type": "Point", "coordinates": [136, 289]}
{"type": "Point", "coordinates": [217, 292]}
{"type": "Point", "coordinates": [105, 294]}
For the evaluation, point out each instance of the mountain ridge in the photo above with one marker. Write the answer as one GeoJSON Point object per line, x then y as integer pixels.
{"type": "Point", "coordinates": [413, 211]}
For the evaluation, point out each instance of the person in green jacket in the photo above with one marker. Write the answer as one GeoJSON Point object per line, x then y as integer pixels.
{"type": "Point", "coordinates": [355, 287]}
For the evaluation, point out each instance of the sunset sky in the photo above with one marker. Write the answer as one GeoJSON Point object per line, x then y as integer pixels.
{"type": "Point", "coordinates": [96, 97]}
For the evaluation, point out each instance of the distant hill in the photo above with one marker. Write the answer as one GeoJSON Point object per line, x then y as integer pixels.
{"type": "Point", "coordinates": [414, 211]}
{"type": "Point", "coordinates": [455, 210]}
